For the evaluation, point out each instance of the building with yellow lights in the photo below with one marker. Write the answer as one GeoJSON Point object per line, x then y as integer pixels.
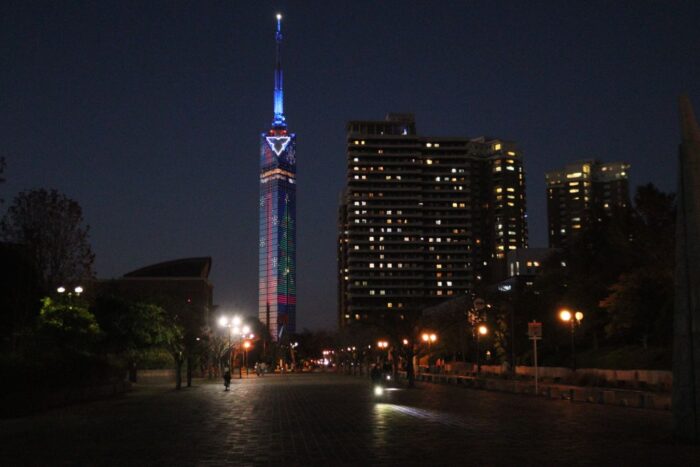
{"type": "Point", "coordinates": [583, 192]}
{"type": "Point", "coordinates": [422, 218]}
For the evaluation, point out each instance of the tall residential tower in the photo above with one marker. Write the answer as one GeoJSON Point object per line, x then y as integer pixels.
{"type": "Point", "coordinates": [423, 219]}
{"type": "Point", "coordinates": [581, 193]}
{"type": "Point", "coordinates": [277, 296]}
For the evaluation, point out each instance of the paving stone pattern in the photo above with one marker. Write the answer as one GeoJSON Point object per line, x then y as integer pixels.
{"type": "Point", "coordinates": [328, 419]}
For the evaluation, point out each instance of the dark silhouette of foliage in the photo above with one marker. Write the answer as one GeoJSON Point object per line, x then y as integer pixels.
{"type": "Point", "coordinates": [130, 329]}
{"type": "Point", "coordinates": [640, 302]}
{"type": "Point", "coordinates": [68, 327]}
{"type": "Point", "coordinates": [51, 225]}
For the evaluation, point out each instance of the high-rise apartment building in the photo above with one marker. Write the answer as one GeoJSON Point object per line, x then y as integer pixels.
{"type": "Point", "coordinates": [423, 219]}
{"type": "Point", "coordinates": [581, 193]}
{"type": "Point", "coordinates": [277, 253]}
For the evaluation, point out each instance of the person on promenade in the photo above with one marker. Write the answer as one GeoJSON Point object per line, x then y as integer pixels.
{"type": "Point", "coordinates": [227, 379]}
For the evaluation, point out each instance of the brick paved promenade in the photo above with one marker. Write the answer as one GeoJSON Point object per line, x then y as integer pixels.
{"type": "Point", "coordinates": [325, 419]}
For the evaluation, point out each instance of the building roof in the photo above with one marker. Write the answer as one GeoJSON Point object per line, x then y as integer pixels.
{"type": "Point", "coordinates": [185, 267]}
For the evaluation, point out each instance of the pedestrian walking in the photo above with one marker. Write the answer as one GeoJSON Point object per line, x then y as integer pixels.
{"type": "Point", "coordinates": [227, 379]}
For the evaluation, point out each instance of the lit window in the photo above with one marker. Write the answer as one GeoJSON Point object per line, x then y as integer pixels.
{"type": "Point", "coordinates": [497, 147]}
{"type": "Point", "coordinates": [429, 161]}
{"type": "Point", "coordinates": [371, 265]}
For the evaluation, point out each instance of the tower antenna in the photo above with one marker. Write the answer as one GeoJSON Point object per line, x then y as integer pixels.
{"type": "Point", "coordinates": [278, 120]}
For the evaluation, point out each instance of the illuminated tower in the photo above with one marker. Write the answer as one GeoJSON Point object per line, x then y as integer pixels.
{"type": "Point", "coordinates": [277, 296]}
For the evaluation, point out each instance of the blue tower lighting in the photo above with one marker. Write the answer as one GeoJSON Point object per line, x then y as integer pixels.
{"type": "Point", "coordinates": [277, 252]}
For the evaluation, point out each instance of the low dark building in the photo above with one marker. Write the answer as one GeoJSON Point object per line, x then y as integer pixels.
{"type": "Point", "coordinates": [181, 286]}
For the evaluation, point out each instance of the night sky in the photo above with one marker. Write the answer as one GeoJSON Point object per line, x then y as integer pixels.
{"type": "Point", "coordinates": [149, 114]}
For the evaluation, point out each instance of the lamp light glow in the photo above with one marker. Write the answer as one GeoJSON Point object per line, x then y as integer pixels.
{"type": "Point", "coordinates": [565, 315]}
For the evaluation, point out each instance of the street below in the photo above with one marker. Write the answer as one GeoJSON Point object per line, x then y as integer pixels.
{"type": "Point", "coordinates": [329, 419]}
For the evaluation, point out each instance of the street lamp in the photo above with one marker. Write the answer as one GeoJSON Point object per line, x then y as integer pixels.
{"type": "Point", "coordinates": [481, 330]}
{"type": "Point", "coordinates": [76, 291]}
{"type": "Point", "coordinates": [246, 346]}
{"type": "Point", "coordinates": [575, 320]}
{"type": "Point", "coordinates": [429, 338]}
{"type": "Point", "coordinates": [233, 325]}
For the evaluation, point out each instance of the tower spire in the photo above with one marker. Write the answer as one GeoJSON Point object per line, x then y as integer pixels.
{"type": "Point", "coordinates": [278, 120]}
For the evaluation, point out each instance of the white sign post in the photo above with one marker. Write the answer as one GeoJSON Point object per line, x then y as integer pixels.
{"type": "Point", "coordinates": [534, 331]}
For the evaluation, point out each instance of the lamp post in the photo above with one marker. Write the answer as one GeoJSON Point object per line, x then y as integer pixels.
{"type": "Point", "coordinates": [481, 330]}
{"type": "Point", "coordinates": [76, 291]}
{"type": "Point", "coordinates": [234, 329]}
{"type": "Point", "coordinates": [246, 346]}
{"type": "Point", "coordinates": [574, 319]}
{"type": "Point", "coordinates": [429, 338]}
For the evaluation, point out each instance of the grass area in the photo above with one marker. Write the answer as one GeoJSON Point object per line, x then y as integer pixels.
{"type": "Point", "coordinates": [626, 358]}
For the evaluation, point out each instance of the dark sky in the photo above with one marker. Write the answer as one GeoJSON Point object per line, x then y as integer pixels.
{"type": "Point", "coordinates": [149, 113]}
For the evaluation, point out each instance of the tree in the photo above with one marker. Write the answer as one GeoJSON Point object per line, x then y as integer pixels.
{"type": "Point", "coordinates": [68, 327]}
{"type": "Point", "coordinates": [641, 307]}
{"type": "Point", "coordinates": [640, 302]}
{"type": "Point", "coordinates": [130, 329]}
{"type": "Point", "coordinates": [51, 225]}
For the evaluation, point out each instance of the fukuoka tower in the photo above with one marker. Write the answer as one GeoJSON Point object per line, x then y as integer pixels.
{"type": "Point", "coordinates": [277, 297]}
